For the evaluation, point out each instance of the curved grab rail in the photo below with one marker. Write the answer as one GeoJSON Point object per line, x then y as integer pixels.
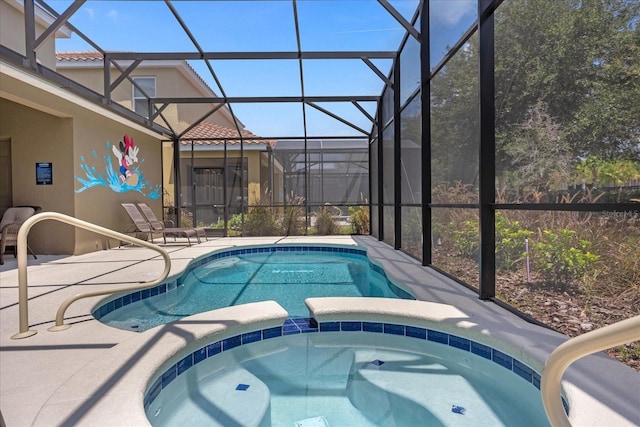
{"type": "Point", "coordinates": [559, 360]}
{"type": "Point", "coordinates": [23, 297]}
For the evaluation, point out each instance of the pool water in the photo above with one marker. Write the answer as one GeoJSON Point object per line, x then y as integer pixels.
{"type": "Point", "coordinates": [286, 277]}
{"type": "Point", "coordinates": [347, 379]}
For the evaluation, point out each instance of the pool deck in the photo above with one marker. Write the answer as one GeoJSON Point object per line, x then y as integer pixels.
{"type": "Point", "coordinates": [36, 373]}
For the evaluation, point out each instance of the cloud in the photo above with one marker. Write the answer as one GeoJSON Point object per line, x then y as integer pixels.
{"type": "Point", "coordinates": [89, 11]}
{"type": "Point", "coordinates": [113, 15]}
{"type": "Point", "coordinates": [450, 12]}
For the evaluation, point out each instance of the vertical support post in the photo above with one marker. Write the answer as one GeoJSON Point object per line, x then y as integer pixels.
{"type": "Point", "coordinates": [192, 188]}
{"type": "Point", "coordinates": [397, 160]}
{"type": "Point", "coordinates": [487, 170]}
{"type": "Point", "coordinates": [30, 34]}
{"type": "Point", "coordinates": [370, 179]}
{"type": "Point", "coordinates": [242, 176]}
{"type": "Point", "coordinates": [425, 99]}
{"type": "Point", "coordinates": [177, 202]}
{"type": "Point", "coordinates": [107, 80]}
{"type": "Point", "coordinates": [225, 192]}
{"type": "Point", "coordinates": [380, 178]}
{"type": "Point", "coordinates": [307, 173]}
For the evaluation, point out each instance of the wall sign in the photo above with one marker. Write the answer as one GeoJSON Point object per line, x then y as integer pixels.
{"type": "Point", "coordinates": [44, 173]}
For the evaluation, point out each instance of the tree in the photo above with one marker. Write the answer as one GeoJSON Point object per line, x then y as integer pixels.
{"type": "Point", "coordinates": [581, 59]}
{"type": "Point", "coordinates": [454, 118]}
{"type": "Point", "coordinates": [540, 158]}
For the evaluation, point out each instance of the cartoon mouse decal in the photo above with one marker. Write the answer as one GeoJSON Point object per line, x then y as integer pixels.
{"type": "Point", "coordinates": [127, 155]}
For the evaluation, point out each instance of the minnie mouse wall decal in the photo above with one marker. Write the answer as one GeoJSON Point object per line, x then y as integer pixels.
{"type": "Point", "coordinates": [127, 155]}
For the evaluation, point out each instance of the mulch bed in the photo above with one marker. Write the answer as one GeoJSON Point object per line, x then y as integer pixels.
{"type": "Point", "coordinates": [566, 309]}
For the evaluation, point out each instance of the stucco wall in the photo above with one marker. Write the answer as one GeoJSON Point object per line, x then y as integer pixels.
{"type": "Point", "coordinates": [94, 137]}
{"type": "Point", "coordinates": [39, 137]}
{"type": "Point", "coordinates": [12, 35]}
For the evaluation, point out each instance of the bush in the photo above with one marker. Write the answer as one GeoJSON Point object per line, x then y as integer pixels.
{"type": "Point", "coordinates": [293, 220]}
{"type": "Point", "coordinates": [510, 242]}
{"type": "Point", "coordinates": [412, 230]}
{"type": "Point", "coordinates": [325, 223]}
{"type": "Point", "coordinates": [560, 257]}
{"type": "Point", "coordinates": [466, 239]}
{"type": "Point", "coordinates": [261, 221]}
{"type": "Point", "coordinates": [360, 221]}
{"type": "Point", "coordinates": [293, 223]}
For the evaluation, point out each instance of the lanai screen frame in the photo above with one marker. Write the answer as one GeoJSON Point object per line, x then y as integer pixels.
{"type": "Point", "coordinates": [483, 27]}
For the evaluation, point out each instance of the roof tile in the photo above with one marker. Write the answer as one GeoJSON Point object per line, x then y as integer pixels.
{"type": "Point", "coordinates": [206, 130]}
{"type": "Point", "coordinates": [79, 56]}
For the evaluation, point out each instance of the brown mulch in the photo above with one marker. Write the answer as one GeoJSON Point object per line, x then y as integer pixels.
{"type": "Point", "coordinates": [566, 309]}
{"type": "Point", "coordinates": [569, 311]}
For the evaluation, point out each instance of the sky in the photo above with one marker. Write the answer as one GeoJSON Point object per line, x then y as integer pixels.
{"type": "Point", "coordinates": [257, 26]}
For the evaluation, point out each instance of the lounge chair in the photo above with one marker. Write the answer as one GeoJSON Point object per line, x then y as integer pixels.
{"type": "Point", "coordinates": [159, 225]}
{"type": "Point", "coordinates": [141, 225]}
{"type": "Point", "coordinates": [10, 224]}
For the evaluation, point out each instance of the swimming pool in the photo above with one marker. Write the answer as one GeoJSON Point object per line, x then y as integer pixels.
{"type": "Point", "coordinates": [285, 273]}
{"type": "Point", "coordinates": [350, 374]}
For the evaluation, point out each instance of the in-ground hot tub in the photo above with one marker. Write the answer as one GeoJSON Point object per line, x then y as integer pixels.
{"type": "Point", "coordinates": [372, 372]}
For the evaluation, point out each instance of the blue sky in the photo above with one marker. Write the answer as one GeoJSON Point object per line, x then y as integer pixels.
{"type": "Point", "coordinates": [237, 26]}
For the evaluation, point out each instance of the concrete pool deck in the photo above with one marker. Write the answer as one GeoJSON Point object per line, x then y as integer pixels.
{"type": "Point", "coordinates": [37, 372]}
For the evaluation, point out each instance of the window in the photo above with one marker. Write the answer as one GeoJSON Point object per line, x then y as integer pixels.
{"type": "Point", "coordinates": [140, 103]}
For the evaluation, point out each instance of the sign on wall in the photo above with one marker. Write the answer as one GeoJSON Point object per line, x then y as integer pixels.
{"type": "Point", "coordinates": [44, 173]}
{"type": "Point", "coordinates": [127, 176]}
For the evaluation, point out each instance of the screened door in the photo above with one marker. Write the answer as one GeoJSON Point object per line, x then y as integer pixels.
{"type": "Point", "coordinates": [208, 184]}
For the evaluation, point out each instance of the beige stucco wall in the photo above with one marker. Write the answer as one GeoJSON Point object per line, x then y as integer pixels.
{"type": "Point", "coordinates": [12, 34]}
{"type": "Point", "coordinates": [40, 137]}
{"type": "Point", "coordinates": [94, 137]}
{"type": "Point", "coordinates": [168, 183]}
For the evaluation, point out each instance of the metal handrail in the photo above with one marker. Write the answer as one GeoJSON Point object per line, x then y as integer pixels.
{"type": "Point", "coordinates": [559, 360]}
{"type": "Point", "coordinates": [23, 297]}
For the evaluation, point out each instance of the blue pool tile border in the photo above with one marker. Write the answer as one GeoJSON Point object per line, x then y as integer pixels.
{"type": "Point", "coordinates": [163, 288]}
{"type": "Point", "coordinates": [310, 325]}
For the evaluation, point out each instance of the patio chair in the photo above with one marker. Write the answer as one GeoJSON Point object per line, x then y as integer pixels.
{"type": "Point", "coordinates": [10, 224]}
{"type": "Point", "coordinates": [159, 225]}
{"type": "Point", "coordinates": [141, 225]}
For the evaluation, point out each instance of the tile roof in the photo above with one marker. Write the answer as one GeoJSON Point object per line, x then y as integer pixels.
{"type": "Point", "coordinates": [209, 130]}
{"type": "Point", "coordinates": [79, 56]}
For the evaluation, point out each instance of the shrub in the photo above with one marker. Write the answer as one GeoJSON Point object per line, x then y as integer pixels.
{"type": "Point", "coordinates": [412, 229]}
{"type": "Point", "coordinates": [293, 220]}
{"type": "Point", "coordinates": [325, 223]}
{"type": "Point", "coordinates": [466, 239]}
{"type": "Point", "coordinates": [260, 221]}
{"type": "Point", "coordinates": [510, 242]}
{"type": "Point", "coordinates": [560, 257]}
{"type": "Point", "coordinates": [235, 222]}
{"type": "Point", "coordinates": [360, 221]}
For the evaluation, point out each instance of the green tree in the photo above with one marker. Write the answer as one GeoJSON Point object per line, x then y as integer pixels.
{"type": "Point", "coordinates": [581, 60]}
{"type": "Point", "coordinates": [454, 118]}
